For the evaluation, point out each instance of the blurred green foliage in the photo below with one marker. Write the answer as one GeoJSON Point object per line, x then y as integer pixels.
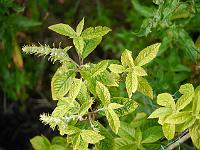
{"type": "Point", "coordinates": [14, 77]}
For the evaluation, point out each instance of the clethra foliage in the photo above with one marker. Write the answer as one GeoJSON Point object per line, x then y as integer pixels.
{"type": "Point", "coordinates": [75, 114]}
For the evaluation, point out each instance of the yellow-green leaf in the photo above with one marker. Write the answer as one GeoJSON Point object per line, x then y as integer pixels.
{"type": "Point", "coordinates": [75, 89]}
{"type": "Point", "coordinates": [84, 94]}
{"type": "Point", "coordinates": [161, 112]}
{"type": "Point", "coordinates": [85, 106]}
{"type": "Point", "coordinates": [114, 106]}
{"type": "Point", "coordinates": [95, 32]}
{"type": "Point", "coordinates": [165, 99]}
{"type": "Point", "coordinates": [79, 27]}
{"type": "Point", "coordinates": [108, 78]}
{"type": "Point", "coordinates": [131, 83]}
{"type": "Point", "coordinates": [196, 102]}
{"type": "Point", "coordinates": [103, 93]}
{"type": "Point", "coordinates": [116, 68]}
{"type": "Point", "coordinates": [40, 143]}
{"type": "Point", "coordinates": [144, 87]}
{"type": "Point", "coordinates": [90, 45]}
{"type": "Point", "coordinates": [113, 120]}
{"type": "Point", "coordinates": [168, 130]}
{"type": "Point", "coordinates": [66, 107]}
{"type": "Point", "coordinates": [147, 54]}
{"type": "Point", "coordinates": [186, 88]}
{"type": "Point", "coordinates": [63, 29]}
{"type": "Point", "coordinates": [195, 134]}
{"type": "Point", "coordinates": [178, 117]}
{"type": "Point", "coordinates": [139, 71]}
{"type": "Point", "coordinates": [129, 105]}
{"type": "Point", "coordinates": [184, 100]}
{"type": "Point", "coordinates": [91, 136]}
{"type": "Point", "coordinates": [127, 59]}
{"type": "Point", "coordinates": [61, 83]}
{"type": "Point", "coordinates": [187, 124]}
{"type": "Point", "coordinates": [100, 67]}
{"type": "Point", "coordinates": [79, 44]}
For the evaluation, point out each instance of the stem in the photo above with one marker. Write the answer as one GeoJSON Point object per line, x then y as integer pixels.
{"type": "Point", "coordinates": [180, 141]}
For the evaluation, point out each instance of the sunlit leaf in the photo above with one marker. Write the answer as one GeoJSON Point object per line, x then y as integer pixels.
{"type": "Point", "coordinates": [95, 32]}
{"type": "Point", "coordinates": [131, 83]}
{"type": "Point", "coordinates": [63, 29]}
{"type": "Point", "coordinates": [147, 54]}
{"type": "Point", "coordinates": [168, 130]}
{"type": "Point", "coordinates": [79, 27]}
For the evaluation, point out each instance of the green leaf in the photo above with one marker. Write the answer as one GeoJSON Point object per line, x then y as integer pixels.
{"type": "Point", "coordinates": [139, 120]}
{"type": "Point", "coordinates": [139, 71]}
{"type": "Point", "coordinates": [196, 102]}
{"type": "Point", "coordinates": [61, 83]}
{"type": "Point", "coordinates": [147, 54]}
{"type": "Point", "coordinates": [168, 130]}
{"type": "Point", "coordinates": [126, 131]}
{"type": "Point", "coordinates": [113, 120]}
{"type": "Point", "coordinates": [152, 134]}
{"type": "Point", "coordinates": [195, 134]}
{"type": "Point", "coordinates": [79, 44]}
{"type": "Point", "coordinates": [79, 27]}
{"type": "Point", "coordinates": [103, 93]}
{"type": "Point", "coordinates": [123, 144]}
{"type": "Point", "coordinates": [144, 87]}
{"type": "Point", "coordinates": [63, 29]}
{"type": "Point", "coordinates": [75, 88]}
{"type": "Point", "coordinates": [90, 45]}
{"type": "Point", "coordinates": [20, 23]}
{"type": "Point", "coordinates": [108, 142]}
{"type": "Point", "coordinates": [184, 100]}
{"type": "Point", "coordinates": [100, 67]}
{"type": "Point", "coordinates": [161, 112]}
{"type": "Point", "coordinates": [85, 71]}
{"type": "Point", "coordinates": [178, 117]}
{"type": "Point", "coordinates": [59, 140]}
{"type": "Point", "coordinates": [165, 99]}
{"type": "Point", "coordinates": [187, 43]}
{"type": "Point", "coordinates": [127, 59]}
{"type": "Point", "coordinates": [40, 143]}
{"type": "Point", "coordinates": [131, 83]}
{"type": "Point", "coordinates": [129, 105]}
{"type": "Point", "coordinates": [91, 85]}
{"type": "Point", "coordinates": [85, 106]}
{"type": "Point", "coordinates": [91, 136]}
{"type": "Point", "coordinates": [116, 68]}
{"type": "Point", "coordinates": [138, 136]}
{"type": "Point", "coordinates": [95, 32]}
{"type": "Point", "coordinates": [57, 147]}
{"type": "Point", "coordinates": [186, 89]}
{"type": "Point", "coordinates": [142, 9]}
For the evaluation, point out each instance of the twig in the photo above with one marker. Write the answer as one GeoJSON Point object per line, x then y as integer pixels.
{"type": "Point", "coordinates": [180, 141]}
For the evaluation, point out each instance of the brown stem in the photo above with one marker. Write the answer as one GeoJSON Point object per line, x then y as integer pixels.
{"type": "Point", "coordinates": [180, 141]}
